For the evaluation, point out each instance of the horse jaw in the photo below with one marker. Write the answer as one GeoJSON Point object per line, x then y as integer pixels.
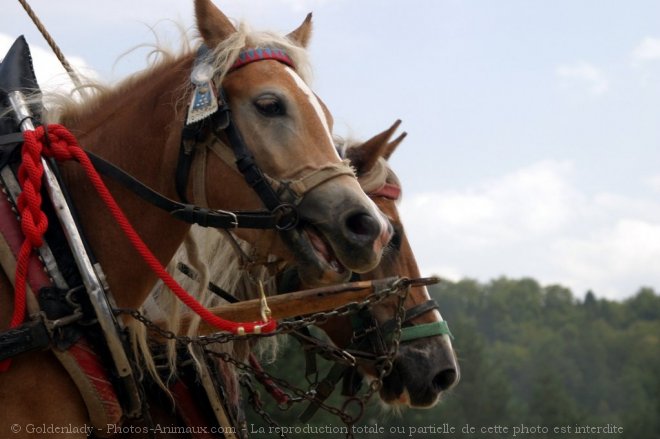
{"type": "Point", "coordinates": [314, 269]}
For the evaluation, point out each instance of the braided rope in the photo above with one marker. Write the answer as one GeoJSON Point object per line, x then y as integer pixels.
{"type": "Point", "coordinates": [34, 222]}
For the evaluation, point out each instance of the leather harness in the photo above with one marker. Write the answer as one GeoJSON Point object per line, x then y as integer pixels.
{"type": "Point", "coordinates": [281, 215]}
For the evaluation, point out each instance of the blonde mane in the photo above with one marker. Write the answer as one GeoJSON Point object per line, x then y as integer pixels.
{"type": "Point", "coordinates": [213, 258]}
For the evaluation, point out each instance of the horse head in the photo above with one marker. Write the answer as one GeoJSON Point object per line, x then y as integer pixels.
{"type": "Point", "coordinates": [286, 127]}
{"type": "Point", "coordinates": [425, 364]}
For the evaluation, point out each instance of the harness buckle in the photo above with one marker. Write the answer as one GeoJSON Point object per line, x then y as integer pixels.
{"type": "Point", "coordinates": [287, 216]}
{"type": "Point", "coordinates": [234, 221]}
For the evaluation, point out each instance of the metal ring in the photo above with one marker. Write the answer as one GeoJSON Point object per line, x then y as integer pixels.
{"type": "Point", "coordinates": [287, 212]}
{"type": "Point", "coordinates": [360, 408]}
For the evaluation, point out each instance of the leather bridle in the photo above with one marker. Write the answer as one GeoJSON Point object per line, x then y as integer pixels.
{"type": "Point", "coordinates": [280, 197]}
{"type": "Point", "coordinates": [371, 339]}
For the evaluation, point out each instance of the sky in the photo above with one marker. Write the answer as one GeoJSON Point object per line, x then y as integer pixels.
{"type": "Point", "coordinates": [533, 127]}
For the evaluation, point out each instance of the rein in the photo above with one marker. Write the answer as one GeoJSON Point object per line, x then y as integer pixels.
{"type": "Point", "coordinates": [188, 213]}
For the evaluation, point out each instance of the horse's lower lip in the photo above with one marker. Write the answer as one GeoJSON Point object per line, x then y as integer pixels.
{"type": "Point", "coordinates": [323, 250]}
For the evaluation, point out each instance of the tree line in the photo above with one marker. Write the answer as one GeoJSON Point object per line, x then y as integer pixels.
{"type": "Point", "coordinates": [535, 361]}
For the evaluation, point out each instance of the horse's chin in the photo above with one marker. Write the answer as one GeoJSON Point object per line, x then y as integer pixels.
{"type": "Point", "coordinates": [317, 263]}
{"type": "Point", "coordinates": [404, 400]}
{"type": "Point", "coordinates": [401, 401]}
{"type": "Point", "coordinates": [395, 393]}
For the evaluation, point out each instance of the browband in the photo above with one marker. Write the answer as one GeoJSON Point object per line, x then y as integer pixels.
{"type": "Point", "coordinates": [246, 56]}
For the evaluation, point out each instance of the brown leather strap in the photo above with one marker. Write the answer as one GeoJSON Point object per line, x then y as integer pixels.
{"type": "Point", "coordinates": [199, 178]}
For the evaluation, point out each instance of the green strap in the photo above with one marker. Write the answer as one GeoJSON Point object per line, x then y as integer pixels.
{"type": "Point", "coordinates": [425, 330]}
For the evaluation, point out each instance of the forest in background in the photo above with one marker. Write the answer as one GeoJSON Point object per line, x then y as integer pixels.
{"type": "Point", "coordinates": [532, 358]}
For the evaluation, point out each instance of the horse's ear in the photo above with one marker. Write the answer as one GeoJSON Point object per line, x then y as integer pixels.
{"type": "Point", "coordinates": [365, 156]}
{"type": "Point", "coordinates": [392, 145]}
{"type": "Point", "coordinates": [303, 33]}
{"type": "Point", "coordinates": [213, 25]}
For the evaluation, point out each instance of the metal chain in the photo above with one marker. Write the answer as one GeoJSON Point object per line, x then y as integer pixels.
{"type": "Point", "coordinates": [383, 363]}
{"type": "Point", "coordinates": [283, 327]}
{"type": "Point", "coordinates": [300, 393]}
{"type": "Point", "coordinates": [384, 366]}
{"type": "Point", "coordinates": [255, 401]}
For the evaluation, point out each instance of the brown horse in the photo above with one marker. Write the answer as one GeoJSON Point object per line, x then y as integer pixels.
{"type": "Point", "coordinates": [425, 366]}
{"type": "Point", "coordinates": [137, 126]}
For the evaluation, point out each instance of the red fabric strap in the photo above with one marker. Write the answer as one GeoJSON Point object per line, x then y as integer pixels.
{"type": "Point", "coordinates": [246, 56]}
{"type": "Point", "coordinates": [389, 190]}
{"type": "Point", "coordinates": [278, 394]}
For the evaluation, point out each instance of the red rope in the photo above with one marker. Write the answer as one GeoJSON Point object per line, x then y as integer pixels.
{"type": "Point", "coordinates": [34, 224]}
{"type": "Point", "coordinates": [62, 146]}
{"type": "Point", "coordinates": [275, 391]}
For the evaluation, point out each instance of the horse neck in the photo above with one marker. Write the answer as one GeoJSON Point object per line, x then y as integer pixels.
{"type": "Point", "coordinates": [136, 126]}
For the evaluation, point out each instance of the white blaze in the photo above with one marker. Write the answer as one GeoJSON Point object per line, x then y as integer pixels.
{"type": "Point", "coordinates": [313, 100]}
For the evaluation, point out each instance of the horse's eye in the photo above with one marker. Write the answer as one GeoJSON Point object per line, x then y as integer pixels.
{"type": "Point", "coordinates": [270, 106]}
{"type": "Point", "coordinates": [397, 236]}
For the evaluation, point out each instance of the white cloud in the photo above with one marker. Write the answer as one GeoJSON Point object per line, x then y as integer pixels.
{"type": "Point", "coordinates": [644, 61]}
{"type": "Point", "coordinates": [535, 222]}
{"type": "Point", "coordinates": [647, 50]}
{"type": "Point", "coordinates": [612, 255]}
{"type": "Point", "coordinates": [585, 74]}
{"type": "Point", "coordinates": [535, 200]}
{"type": "Point", "coordinates": [653, 182]}
{"type": "Point", "coordinates": [304, 5]}
{"type": "Point", "coordinates": [50, 73]}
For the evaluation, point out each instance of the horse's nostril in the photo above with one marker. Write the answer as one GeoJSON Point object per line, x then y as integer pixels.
{"type": "Point", "coordinates": [363, 225]}
{"type": "Point", "coordinates": [445, 379]}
